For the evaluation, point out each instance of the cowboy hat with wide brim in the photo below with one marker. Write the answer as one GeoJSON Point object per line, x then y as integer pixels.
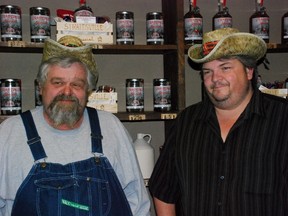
{"type": "Point", "coordinates": [227, 42]}
{"type": "Point", "coordinates": [70, 46]}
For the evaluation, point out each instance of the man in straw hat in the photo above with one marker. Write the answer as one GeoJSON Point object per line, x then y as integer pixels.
{"type": "Point", "coordinates": [226, 155]}
{"type": "Point", "coordinates": [64, 158]}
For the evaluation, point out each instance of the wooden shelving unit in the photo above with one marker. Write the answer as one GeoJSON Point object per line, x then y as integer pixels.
{"type": "Point", "coordinates": [27, 47]}
{"type": "Point", "coordinates": [173, 52]}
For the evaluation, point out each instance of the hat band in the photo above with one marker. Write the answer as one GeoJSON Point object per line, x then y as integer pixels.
{"type": "Point", "coordinates": [208, 47]}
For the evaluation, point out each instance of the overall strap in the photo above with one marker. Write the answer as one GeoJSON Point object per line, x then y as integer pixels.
{"type": "Point", "coordinates": [34, 140]}
{"type": "Point", "coordinates": [96, 136]}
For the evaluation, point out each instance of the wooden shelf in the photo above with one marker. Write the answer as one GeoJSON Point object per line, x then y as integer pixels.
{"type": "Point", "coordinates": [277, 48]}
{"type": "Point", "coordinates": [29, 47]}
{"type": "Point", "coordinates": [133, 117]}
{"type": "Point", "coordinates": [146, 116]}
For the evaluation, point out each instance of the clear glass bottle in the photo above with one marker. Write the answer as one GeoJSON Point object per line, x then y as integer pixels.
{"type": "Point", "coordinates": [259, 22]}
{"type": "Point", "coordinates": [83, 10]}
{"type": "Point", "coordinates": [222, 19]}
{"type": "Point", "coordinates": [284, 29]}
{"type": "Point", "coordinates": [193, 22]}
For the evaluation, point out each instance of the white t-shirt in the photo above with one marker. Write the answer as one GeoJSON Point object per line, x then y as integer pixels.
{"type": "Point", "coordinates": [65, 147]}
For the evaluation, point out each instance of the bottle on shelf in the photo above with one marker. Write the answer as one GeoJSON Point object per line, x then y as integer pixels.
{"type": "Point", "coordinates": [193, 22]}
{"type": "Point", "coordinates": [259, 22]}
{"type": "Point", "coordinates": [222, 19]}
{"type": "Point", "coordinates": [10, 23]}
{"type": "Point", "coordinates": [83, 10]}
{"type": "Point", "coordinates": [284, 29]}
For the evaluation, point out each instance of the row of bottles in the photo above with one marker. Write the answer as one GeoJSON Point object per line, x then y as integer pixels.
{"type": "Point", "coordinates": [258, 22]}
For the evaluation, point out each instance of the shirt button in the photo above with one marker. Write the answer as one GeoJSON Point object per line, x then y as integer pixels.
{"type": "Point", "coordinates": [222, 177]}
{"type": "Point", "coordinates": [219, 203]}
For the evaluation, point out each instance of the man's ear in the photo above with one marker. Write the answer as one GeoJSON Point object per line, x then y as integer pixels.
{"type": "Point", "coordinates": [40, 90]}
{"type": "Point", "coordinates": [249, 72]}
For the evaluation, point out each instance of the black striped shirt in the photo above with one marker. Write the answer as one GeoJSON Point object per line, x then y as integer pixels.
{"type": "Point", "coordinates": [247, 175]}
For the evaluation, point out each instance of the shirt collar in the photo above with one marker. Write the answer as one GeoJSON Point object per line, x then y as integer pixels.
{"type": "Point", "coordinates": [255, 106]}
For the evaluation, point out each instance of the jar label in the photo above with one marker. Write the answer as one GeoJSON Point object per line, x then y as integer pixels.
{"type": "Point", "coordinates": [155, 30]}
{"type": "Point", "coordinates": [10, 98]}
{"type": "Point", "coordinates": [134, 97]}
{"type": "Point", "coordinates": [162, 96]}
{"type": "Point", "coordinates": [11, 26]}
{"type": "Point", "coordinates": [85, 13]}
{"type": "Point", "coordinates": [40, 26]}
{"type": "Point", "coordinates": [193, 28]}
{"type": "Point", "coordinates": [223, 22]}
{"type": "Point", "coordinates": [260, 27]}
{"type": "Point", "coordinates": [125, 30]}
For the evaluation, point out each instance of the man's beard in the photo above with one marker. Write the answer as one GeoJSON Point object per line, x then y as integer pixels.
{"type": "Point", "coordinates": [65, 114]}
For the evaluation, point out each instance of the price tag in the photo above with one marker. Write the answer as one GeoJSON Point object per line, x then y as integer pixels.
{"type": "Point", "coordinates": [168, 115]}
{"type": "Point", "coordinates": [137, 117]}
{"type": "Point", "coordinates": [16, 44]}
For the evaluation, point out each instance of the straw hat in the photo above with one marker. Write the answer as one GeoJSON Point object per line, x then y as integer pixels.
{"type": "Point", "coordinates": [227, 42]}
{"type": "Point", "coordinates": [70, 46]}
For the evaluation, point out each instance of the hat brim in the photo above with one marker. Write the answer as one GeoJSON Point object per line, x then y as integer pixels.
{"type": "Point", "coordinates": [234, 44]}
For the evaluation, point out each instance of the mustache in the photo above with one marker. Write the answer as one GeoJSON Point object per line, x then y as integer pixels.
{"type": "Point", "coordinates": [63, 97]}
{"type": "Point", "coordinates": [218, 84]}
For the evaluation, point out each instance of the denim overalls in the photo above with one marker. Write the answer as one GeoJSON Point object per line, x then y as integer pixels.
{"type": "Point", "coordinates": [88, 187]}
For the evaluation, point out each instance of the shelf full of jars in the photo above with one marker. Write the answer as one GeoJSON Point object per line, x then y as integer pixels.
{"type": "Point", "coordinates": [94, 30]}
{"type": "Point", "coordinates": [83, 20]}
{"type": "Point", "coordinates": [104, 98]}
{"type": "Point", "coordinates": [99, 34]}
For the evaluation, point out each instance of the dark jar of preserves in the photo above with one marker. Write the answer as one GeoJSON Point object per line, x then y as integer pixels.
{"type": "Point", "coordinates": [11, 97]}
{"type": "Point", "coordinates": [155, 28]}
{"type": "Point", "coordinates": [162, 95]}
{"type": "Point", "coordinates": [124, 27]}
{"type": "Point", "coordinates": [39, 24]}
{"type": "Point", "coordinates": [11, 24]}
{"type": "Point", "coordinates": [134, 95]}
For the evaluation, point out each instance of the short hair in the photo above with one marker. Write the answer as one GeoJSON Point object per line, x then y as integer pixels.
{"type": "Point", "coordinates": [64, 62]}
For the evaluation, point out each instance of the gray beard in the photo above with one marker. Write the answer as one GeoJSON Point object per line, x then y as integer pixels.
{"type": "Point", "coordinates": [67, 115]}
